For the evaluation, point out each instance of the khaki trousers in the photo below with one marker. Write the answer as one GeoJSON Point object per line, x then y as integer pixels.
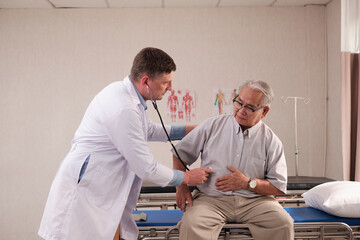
{"type": "Point", "coordinates": [266, 218]}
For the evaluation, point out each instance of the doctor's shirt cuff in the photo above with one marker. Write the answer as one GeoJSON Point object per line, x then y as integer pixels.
{"type": "Point", "coordinates": [178, 178]}
{"type": "Point", "coordinates": [177, 132]}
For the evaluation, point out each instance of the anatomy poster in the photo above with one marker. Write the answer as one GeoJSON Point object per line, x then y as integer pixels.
{"type": "Point", "coordinates": [180, 105]}
{"type": "Point", "coordinates": [222, 101]}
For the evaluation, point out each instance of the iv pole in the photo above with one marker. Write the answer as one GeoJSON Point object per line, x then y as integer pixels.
{"type": "Point", "coordinates": [306, 101]}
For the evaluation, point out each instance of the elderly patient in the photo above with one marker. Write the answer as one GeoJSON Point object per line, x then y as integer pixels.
{"type": "Point", "coordinates": [249, 166]}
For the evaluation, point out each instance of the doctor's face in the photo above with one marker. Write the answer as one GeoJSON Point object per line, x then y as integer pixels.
{"type": "Point", "coordinates": [249, 99]}
{"type": "Point", "coordinates": [159, 86]}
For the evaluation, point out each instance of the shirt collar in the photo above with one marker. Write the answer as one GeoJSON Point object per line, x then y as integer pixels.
{"type": "Point", "coordinates": [250, 131]}
{"type": "Point", "coordinates": [142, 101]}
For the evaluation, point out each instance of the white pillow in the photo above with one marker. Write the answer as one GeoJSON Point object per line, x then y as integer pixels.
{"type": "Point", "coordinates": [339, 198]}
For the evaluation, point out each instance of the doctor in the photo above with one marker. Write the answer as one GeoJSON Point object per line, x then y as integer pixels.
{"type": "Point", "coordinates": [98, 182]}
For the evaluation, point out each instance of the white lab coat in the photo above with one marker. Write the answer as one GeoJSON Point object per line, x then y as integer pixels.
{"type": "Point", "coordinates": [114, 132]}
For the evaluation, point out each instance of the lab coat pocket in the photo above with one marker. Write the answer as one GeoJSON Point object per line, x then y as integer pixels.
{"type": "Point", "coordinates": [103, 187]}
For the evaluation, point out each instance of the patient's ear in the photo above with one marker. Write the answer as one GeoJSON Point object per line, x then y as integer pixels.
{"type": "Point", "coordinates": [265, 110]}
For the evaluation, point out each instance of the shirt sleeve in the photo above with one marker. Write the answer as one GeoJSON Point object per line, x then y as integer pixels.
{"type": "Point", "coordinates": [190, 147]}
{"type": "Point", "coordinates": [126, 132]}
{"type": "Point", "coordinates": [277, 170]}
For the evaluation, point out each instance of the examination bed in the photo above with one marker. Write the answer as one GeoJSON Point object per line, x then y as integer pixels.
{"type": "Point", "coordinates": [310, 223]}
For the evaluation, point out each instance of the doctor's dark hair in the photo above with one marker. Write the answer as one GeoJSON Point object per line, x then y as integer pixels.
{"type": "Point", "coordinates": [153, 62]}
{"type": "Point", "coordinates": [268, 94]}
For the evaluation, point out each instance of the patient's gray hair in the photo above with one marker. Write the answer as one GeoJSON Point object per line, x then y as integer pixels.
{"type": "Point", "coordinates": [263, 87]}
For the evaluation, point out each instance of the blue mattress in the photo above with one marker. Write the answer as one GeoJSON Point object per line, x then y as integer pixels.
{"type": "Point", "coordinates": [160, 217]}
{"type": "Point", "coordinates": [309, 214]}
{"type": "Point", "coordinates": [299, 214]}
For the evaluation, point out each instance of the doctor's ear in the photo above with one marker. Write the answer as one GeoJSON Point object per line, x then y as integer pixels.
{"type": "Point", "coordinates": [144, 80]}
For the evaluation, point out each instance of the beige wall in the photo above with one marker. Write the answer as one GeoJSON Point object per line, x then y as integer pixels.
{"type": "Point", "coordinates": [54, 61]}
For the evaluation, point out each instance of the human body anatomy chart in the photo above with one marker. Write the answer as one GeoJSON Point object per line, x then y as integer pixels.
{"type": "Point", "coordinates": [222, 101]}
{"type": "Point", "coordinates": [180, 106]}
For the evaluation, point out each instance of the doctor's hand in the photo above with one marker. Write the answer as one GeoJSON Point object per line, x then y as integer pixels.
{"type": "Point", "coordinates": [233, 181]}
{"type": "Point", "coordinates": [196, 176]}
{"type": "Point", "coordinates": [183, 194]}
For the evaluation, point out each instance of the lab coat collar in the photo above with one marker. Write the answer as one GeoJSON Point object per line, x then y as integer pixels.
{"type": "Point", "coordinates": [131, 87]}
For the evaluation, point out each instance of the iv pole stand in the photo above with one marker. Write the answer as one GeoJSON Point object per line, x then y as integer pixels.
{"type": "Point", "coordinates": [297, 151]}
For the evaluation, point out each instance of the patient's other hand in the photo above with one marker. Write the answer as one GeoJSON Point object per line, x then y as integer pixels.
{"type": "Point", "coordinates": [236, 180]}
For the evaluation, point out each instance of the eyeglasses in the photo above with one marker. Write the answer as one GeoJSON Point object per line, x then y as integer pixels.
{"type": "Point", "coordinates": [247, 109]}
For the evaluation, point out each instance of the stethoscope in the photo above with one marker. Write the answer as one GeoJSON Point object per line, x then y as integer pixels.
{"type": "Point", "coordinates": [162, 123]}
